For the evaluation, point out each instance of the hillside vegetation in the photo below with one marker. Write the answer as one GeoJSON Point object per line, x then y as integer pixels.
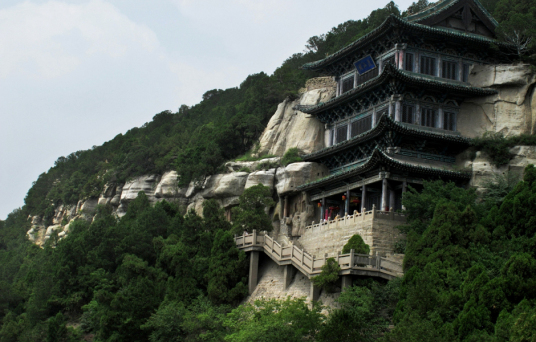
{"type": "Point", "coordinates": [195, 140]}
{"type": "Point", "coordinates": [156, 275]}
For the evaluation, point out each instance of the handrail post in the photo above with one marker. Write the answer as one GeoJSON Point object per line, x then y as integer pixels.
{"type": "Point", "coordinates": [291, 251]}
{"type": "Point", "coordinates": [302, 255]}
{"type": "Point", "coordinates": [379, 261]}
{"type": "Point", "coordinates": [254, 236]}
{"type": "Point", "coordinates": [351, 258]}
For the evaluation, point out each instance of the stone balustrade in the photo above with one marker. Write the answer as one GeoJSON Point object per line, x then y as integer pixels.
{"type": "Point", "coordinates": [350, 263]}
{"type": "Point", "coordinates": [351, 220]}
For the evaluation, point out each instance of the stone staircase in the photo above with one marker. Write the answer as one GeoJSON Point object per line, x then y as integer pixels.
{"type": "Point", "coordinates": [350, 263]}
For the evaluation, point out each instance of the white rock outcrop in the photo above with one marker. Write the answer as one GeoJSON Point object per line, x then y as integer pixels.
{"type": "Point", "coordinates": [293, 175]}
{"type": "Point", "coordinates": [263, 177]}
{"type": "Point", "coordinates": [290, 128]}
{"type": "Point", "coordinates": [511, 111]}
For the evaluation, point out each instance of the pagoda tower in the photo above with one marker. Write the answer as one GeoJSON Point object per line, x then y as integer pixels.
{"type": "Point", "coordinates": [397, 118]}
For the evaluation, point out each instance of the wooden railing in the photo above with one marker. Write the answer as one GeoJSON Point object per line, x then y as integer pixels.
{"type": "Point", "coordinates": [360, 264]}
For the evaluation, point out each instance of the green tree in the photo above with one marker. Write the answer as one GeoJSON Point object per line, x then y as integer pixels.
{"type": "Point", "coordinates": [327, 279]}
{"type": "Point", "coordinates": [361, 315]}
{"type": "Point", "coordinates": [516, 24]}
{"type": "Point", "coordinates": [357, 244]}
{"type": "Point", "coordinates": [227, 274]}
{"type": "Point", "coordinates": [251, 211]}
{"type": "Point", "coordinates": [289, 320]}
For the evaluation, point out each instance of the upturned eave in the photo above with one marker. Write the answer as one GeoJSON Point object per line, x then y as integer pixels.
{"type": "Point", "coordinates": [390, 72]}
{"type": "Point", "coordinates": [379, 158]}
{"type": "Point", "coordinates": [385, 123]}
{"type": "Point", "coordinates": [393, 21]}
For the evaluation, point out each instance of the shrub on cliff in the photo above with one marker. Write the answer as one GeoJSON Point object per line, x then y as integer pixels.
{"type": "Point", "coordinates": [357, 244]}
{"type": "Point", "coordinates": [250, 213]}
{"type": "Point", "coordinates": [327, 279]}
{"type": "Point", "coordinates": [291, 156]}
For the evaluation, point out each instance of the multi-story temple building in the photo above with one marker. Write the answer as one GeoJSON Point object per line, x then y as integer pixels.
{"type": "Point", "coordinates": [396, 119]}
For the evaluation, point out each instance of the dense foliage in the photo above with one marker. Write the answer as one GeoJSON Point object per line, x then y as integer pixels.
{"type": "Point", "coordinates": [122, 278]}
{"type": "Point", "coordinates": [469, 271]}
{"type": "Point", "coordinates": [327, 279]}
{"type": "Point", "coordinates": [250, 214]}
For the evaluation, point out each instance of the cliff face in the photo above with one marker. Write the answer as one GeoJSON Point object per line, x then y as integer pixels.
{"type": "Point", "coordinates": [511, 111]}
{"type": "Point", "coordinates": [287, 128]}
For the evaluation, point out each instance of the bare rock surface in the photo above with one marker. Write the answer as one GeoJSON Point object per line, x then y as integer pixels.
{"type": "Point", "coordinates": [168, 186]}
{"type": "Point", "coordinates": [293, 175]}
{"type": "Point", "coordinates": [511, 111]}
{"type": "Point", "coordinates": [484, 171]}
{"type": "Point", "coordinates": [147, 184]}
{"type": "Point", "coordinates": [265, 178]}
{"type": "Point", "coordinates": [290, 128]}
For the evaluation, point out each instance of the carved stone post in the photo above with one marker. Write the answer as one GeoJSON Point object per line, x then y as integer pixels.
{"type": "Point", "coordinates": [322, 209]}
{"type": "Point", "coordinates": [347, 203]}
{"type": "Point", "coordinates": [363, 199]}
{"type": "Point", "coordinates": [314, 292]}
{"type": "Point", "coordinates": [288, 275]}
{"type": "Point", "coordinates": [404, 189]}
{"type": "Point", "coordinates": [398, 110]}
{"type": "Point", "coordinates": [346, 281]}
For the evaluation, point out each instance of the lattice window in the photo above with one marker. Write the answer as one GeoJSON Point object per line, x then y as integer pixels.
{"type": "Point", "coordinates": [428, 117]}
{"type": "Point", "coordinates": [362, 125]}
{"type": "Point", "coordinates": [428, 65]}
{"type": "Point", "coordinates": [409, 62]}
{"type": "Point", "coordinates": [449, 70]}
{"type": "Point", "coordinates": [367, 76]}
{"type": "Point", "coordinates": [342, 133]}
{"type": "Point", "coordinates": [465, 76]}
{"type": "Point", "coordinates": [449, 121]}
{"type": "Point", "coordinates": [347, 84]}
{"type": "Point", "coordinates": [408, 113]}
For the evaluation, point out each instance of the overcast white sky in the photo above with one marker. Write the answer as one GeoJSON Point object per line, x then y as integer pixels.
{"type": "Point", "coordinates": [75, 73]}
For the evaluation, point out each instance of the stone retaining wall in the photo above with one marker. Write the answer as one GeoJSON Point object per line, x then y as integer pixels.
{"type": "Point", "coordinates": [378, 230]}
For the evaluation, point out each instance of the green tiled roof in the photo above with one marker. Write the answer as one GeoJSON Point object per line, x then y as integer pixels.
{"type": "Point", "coordinates": [390, 72]}
{"type": "Point", "coordinates": [393, 21]}
{"type": "Point", "coordinates": [379, 158]}
{"type": "Point", "coordinates": [384, 124]}
{"type": "Point", "coordinates": [439, 6]}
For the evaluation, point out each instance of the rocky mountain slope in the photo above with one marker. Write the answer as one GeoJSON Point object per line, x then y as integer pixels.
{"type": "Point", "coordinates": [511, 111]}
